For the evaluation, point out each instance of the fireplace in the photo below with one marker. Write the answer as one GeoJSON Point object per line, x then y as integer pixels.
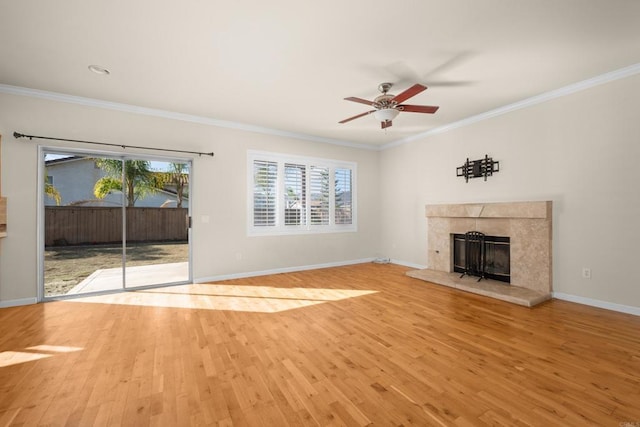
{"type": "Point", "coordinates": [529, 267]}
{"type": "Point", "coordinates": [496, 254]}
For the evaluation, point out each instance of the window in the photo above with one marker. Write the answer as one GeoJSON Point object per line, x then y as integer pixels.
{"type": "Point", "coordinates": [343, 196]}
{"type": "Point", "coordinates": [291, 194]}
{"type": "Point", "coordinates": [264, 193]}
{"type": "Point", "coordinates": [295, 198]}
{"type": "Point", "coordinates": [319, 189]}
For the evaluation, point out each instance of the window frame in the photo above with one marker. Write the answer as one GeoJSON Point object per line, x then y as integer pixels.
{"type": "Point", "coordinates": [280, 228]}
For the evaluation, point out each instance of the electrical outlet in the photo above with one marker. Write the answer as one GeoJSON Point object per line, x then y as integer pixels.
{"type": "Point", "coordinates": [586, 273]}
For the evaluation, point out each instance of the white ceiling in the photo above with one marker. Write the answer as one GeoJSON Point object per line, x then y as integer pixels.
{"type": "Point", "coordinates": [288, 64]}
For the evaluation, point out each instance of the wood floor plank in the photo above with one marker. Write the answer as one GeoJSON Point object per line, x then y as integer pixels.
{"type": "Point", "coordinates": [358, 345]}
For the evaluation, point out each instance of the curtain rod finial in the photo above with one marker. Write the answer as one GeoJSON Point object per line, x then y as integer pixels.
{"type": "Point", "coordinates": [17, 135]}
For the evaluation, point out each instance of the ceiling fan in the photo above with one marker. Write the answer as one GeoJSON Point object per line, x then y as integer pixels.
{"type": "Point", "coordinates": [387, 106]}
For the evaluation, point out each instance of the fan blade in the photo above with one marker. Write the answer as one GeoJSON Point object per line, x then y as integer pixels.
{"type": "Point", "coordinates": [412, 91]}
{"type": "Point", "coordinates": [360, 100]}
{"type": "Point", "coordinates": [418, 108]}
{"type": "Point", "coordinates": [386, 124]}
{"type": "Point", "coordinates": [356, 117]}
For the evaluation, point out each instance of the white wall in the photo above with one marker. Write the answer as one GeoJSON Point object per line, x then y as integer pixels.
{"type": "Point", "coordinates": [219, 190]}
{"type": "Point", "coordinates": [581, 151]}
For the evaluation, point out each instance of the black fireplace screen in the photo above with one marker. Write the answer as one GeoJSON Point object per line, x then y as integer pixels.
{"type": "Point", "coordinates": [483, 256]}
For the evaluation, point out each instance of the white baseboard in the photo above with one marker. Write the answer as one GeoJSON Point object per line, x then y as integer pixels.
{"type": "Point", "coordinates": [408, 264]}
{"type": "Point", "coordinates": [280, 270]}
{"type": "Point", "coordinates": [17, 302]}
{"type": "Point", "coordinates": [597, 303]}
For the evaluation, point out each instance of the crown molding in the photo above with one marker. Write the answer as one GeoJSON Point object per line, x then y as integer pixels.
{"type": "Point", "coordinates": [525, 103]}
{"type": "Point", "coordinates": [128, 108]}
{"type": "Point", "coordinates": [172, 115]}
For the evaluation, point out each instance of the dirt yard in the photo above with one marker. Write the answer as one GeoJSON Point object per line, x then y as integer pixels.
{"type": "Point", "coordinates": [65, 267]}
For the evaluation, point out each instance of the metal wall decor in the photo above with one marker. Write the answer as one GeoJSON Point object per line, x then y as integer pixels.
{"type": "Point", "coordinates": [478, 168]}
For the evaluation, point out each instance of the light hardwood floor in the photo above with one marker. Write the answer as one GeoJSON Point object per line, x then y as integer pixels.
{"type": "Point", "coordinates": [358, 345]}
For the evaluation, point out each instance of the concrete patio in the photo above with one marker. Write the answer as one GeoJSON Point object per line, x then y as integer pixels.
{"type": "Point", "coordinates": [109, 279]}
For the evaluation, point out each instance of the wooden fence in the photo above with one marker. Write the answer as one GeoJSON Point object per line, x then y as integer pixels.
{"type": "Point", "coordinates": [65, 225]}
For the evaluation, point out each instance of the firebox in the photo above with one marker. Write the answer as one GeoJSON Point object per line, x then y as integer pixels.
{"type": "Point", "coordinates": [495, 252]}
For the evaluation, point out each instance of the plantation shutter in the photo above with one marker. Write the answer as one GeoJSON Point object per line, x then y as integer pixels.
{"type": "Point", "coordinates": [295, 198]}
{"type": "Point", "coordinates": [265, 175]}
{"type": "Point", "coordinates": [343, 197]}
{"type": "Point", "coordinates": [289, 194]}
{"type": "Point", "coordinates": [319, 195]}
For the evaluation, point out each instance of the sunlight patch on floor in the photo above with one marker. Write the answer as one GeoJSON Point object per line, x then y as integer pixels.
{"type": "Point", "coordinates": [54, 348]}
{"type": "Point", "coordinates": [257, 299]}
{"type": "Point", "coordinates": [8, 358]}
{"type": "Point", "coordinates": [37, 352]}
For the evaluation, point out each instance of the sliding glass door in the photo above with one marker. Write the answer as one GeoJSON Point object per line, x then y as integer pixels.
{"type": "Point", "coordinates": [112, 223]}
{"type": "Point", "coordinates": [82, 233]}
{"type": "Point", "coordinates": [157, 223]}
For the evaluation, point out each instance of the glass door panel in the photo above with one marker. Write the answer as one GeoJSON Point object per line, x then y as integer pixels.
{"type": "Point", "coordinates": [157, 229]}
{"type": "Point", "coordinates": [83, 225]}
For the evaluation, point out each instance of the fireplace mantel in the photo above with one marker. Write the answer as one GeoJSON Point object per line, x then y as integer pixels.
{"type": "Point", "coordinates": [527, 224]}
{"type": "Point", "coordinates": [513, 210]}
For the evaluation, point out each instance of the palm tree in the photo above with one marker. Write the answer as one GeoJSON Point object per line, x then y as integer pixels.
{"type": "Point", "coordinates": [177, 175]}
{"type": "Point", "coordinates": [51, 191]}
{"type": "Point", "coordinates": [139, 179]}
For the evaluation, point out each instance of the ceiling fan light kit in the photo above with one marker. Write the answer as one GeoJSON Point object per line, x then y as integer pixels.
{"type": "Point", "coordinates": [387, 106]}
{"type": "Point", "coordinates": [386, 114]}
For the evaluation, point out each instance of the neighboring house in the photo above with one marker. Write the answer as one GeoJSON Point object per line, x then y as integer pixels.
{"type": "Point", "coordinates": [74, 177]}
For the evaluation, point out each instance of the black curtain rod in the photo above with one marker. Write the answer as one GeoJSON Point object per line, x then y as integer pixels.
{"type": "Point", "coordinates": [21, 135]}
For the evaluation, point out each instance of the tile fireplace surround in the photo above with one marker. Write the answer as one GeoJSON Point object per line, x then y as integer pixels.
{"type": "Point", "coordinates": [528, 224]}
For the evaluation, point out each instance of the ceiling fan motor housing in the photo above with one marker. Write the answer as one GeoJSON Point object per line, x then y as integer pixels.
{"type": "Point", "coordinates": [384, 101]}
